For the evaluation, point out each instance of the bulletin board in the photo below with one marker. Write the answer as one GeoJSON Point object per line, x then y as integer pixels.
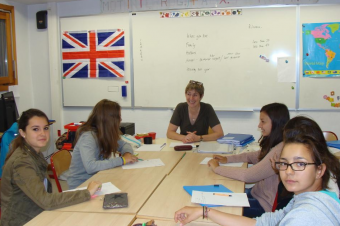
{"type": "Point", "coordinates": [235, 57]}
{"type": "Point", "coordinates": [322, 92]}
{"type": "Point", "coordinates": [88, 91]}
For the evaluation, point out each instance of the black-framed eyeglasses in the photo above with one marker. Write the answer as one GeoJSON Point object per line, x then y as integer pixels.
{"type": "Point", "coordinates": [196, 82]}
{"type": "Point", "coordinates": [296, 166]}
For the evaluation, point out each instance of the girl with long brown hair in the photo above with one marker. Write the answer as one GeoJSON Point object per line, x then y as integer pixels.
{"type": "Point", "coordinates": [98, 143]}
{"type": "Point", "coordinates": [26, 190]}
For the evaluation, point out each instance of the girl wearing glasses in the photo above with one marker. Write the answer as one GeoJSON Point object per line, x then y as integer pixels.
{"type": "Point", "coordinates": [273, 118]}
{"type": "Point", "coordinates": [194, 118]}
{"type": "Point", "coordinates": [97, 143]}
{"type": "Point", "coordinates": [305, 167]}
{"type": "Point", "coordinates": [26, 190]}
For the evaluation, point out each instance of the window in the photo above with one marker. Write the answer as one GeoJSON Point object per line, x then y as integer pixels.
{"type": "Point", "coordinates": [7, 48]}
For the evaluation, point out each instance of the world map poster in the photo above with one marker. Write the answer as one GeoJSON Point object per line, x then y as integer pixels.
{"type": "Point", "coordinates": [321, 49]}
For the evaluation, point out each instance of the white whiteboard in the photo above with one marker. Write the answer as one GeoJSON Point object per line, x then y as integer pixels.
{"type": "Point", "coordinates": [87, 92]}
{"type": "Point", "coordinates": [223, 52]}
{"type": "Point", "coordinates": [312, 90]}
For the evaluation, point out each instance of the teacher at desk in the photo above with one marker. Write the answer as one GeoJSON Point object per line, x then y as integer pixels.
{"type": "Point", "coordinates": [194, 117]}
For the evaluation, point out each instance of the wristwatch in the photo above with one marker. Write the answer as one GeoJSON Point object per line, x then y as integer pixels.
{"type": "Point", "coordinates": [201, 138]}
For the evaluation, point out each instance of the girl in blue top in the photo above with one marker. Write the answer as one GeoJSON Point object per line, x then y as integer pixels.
{"type": "Point", "coordinates": [305, 167]}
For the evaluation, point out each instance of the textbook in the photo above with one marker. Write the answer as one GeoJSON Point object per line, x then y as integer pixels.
{"type": "Point", "coordinates": [244, 144]}
{"type": "Point", "coordinates": [235, 138]}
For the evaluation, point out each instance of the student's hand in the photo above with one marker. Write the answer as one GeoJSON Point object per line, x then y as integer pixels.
{"type": "Point", "coordinates": [273, 160]}
{"type": "Point", "coordinates": [221, 159]}
{"type": "Point", "coordinates": [129, 158]}
{"type": "Point", "coordinates": [94, 186]}
{"type": "Point", "coordinates": [187, 214]}
{"type": "Point", "coordinates": [213, 163]}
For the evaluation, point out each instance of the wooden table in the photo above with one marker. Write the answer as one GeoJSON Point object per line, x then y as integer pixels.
{"type": "Point", "coordinates": [337, 154]}
{"type": "Point", "coordinates": [190, 166]}
{"type": "Point", "coordinates": [169, 158]}
{"type": "Point", "coordinates": [172, 223]}
{"type": "Point", "coordinates": [139, 187]}
{"type": "Point", "coordinates": [170, 197]}
{"type": "Point", "coordinates": [54, 218]}
{"type": "Point", "coordinates": [168, 142]}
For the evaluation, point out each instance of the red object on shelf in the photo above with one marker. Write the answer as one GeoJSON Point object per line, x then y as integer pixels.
{"type": "Point", "coordinates": [71, 127]}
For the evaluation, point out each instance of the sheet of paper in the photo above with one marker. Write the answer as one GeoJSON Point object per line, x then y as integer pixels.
{"type": "Point", "coordinates": [144, 164]}
{"type": "Point", "coordinates": [232, 164]}
{"type": "Point", "coordinates": [151, 147]}
{"type": "Point", "coordinates": [225, 199]}
{"type": "Point", "coordinates": [107, 188]}
{"type": "Point", "coordinates": [286, 69]}
{"type": "Point", "coordinates": [173, 144]}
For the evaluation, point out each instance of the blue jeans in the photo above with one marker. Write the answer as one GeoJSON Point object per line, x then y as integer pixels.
{"type": "Point", "coordinates": [255, 209]}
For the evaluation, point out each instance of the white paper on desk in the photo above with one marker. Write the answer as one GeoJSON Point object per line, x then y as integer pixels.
{"type": "Point", "coordinates": [220, 198]}
{"type": "Point", "coordinates": [144, 164]}
{"type": "Point", "coordinates": [151, 147]}
{"type": "Point", "coordinates": [173, 144]}
{"type": "Point", "coordinates": [107, 188]}
{"type": "Point", "coordinates": [232, 164]}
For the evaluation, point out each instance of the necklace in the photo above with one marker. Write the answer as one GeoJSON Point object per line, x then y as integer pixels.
{"type": "Point", "coordinates": [193, 117]}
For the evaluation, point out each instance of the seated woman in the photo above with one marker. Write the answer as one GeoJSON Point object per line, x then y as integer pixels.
{"type": "Point", "coordinates": [96, 141]}
{"type": "Point", "coordinates": [25, 189]}
{"type": "Point", "coordinates": [305, 167]}
{"type": "Point", "coordinates": [194, 118]}
{"type": "Point", "coordinates": [273, 118]}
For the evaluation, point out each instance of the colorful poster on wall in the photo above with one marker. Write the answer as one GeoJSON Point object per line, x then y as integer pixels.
{"type": "Point", "coordinates": [93, 54]}
{"type": "Point", "coordinates": [321, 52]}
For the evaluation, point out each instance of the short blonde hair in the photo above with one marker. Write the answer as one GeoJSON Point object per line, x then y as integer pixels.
{"type": "Point", "coordinates": [197, 86]}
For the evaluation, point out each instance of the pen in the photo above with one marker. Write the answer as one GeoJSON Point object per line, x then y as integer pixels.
{"type": "Point", "coordinates": [163, 145]}
{"type": "Point", "coordinates": [221, 194]}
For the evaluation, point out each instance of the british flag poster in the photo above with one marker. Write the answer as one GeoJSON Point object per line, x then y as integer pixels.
{"type": "Point", "coordinates": [93, 54]}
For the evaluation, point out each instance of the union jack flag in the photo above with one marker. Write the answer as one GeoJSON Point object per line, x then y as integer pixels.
{"type": "Point", "coordinates": [93, 54]}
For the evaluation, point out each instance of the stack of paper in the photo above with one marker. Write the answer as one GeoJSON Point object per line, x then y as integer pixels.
{"type": "Point", "coordinates": [239, 140]}
{"type": "Point", "coordinates": [215, 148]}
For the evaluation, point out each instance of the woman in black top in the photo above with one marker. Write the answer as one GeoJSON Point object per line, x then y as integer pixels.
{"type": "Point", "coordinates": [194, 118]}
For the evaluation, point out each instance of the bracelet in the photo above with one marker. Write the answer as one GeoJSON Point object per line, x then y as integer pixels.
{"type": "Point", "coordinates": [205, 213]}
{"type": "Point", "coordinates": [123, 160]}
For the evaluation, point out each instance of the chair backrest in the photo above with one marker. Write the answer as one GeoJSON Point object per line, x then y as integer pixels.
{"type": "Point", "coordinates": [60, 162]}
{"type": "Point", "coordinates": [330, 136]}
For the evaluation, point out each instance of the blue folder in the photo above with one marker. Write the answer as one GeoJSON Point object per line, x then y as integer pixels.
{"type": "Point", "coordinates": [235, 138]}
{"type": "Point", "coordinates": [334, 144]}
{"type": "Point", "coordinates": [207, 188]}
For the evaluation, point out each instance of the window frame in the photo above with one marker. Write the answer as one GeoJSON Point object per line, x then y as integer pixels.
{"type": "Point", "coordinates": [7, 13]}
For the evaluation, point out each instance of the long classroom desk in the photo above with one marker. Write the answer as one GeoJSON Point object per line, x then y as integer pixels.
{"type": "Point", "coordinates": [190, 166]}
{"type": "Point", "coordinates": [138, 183]}
{"type": "Point", "coordinates": [169, 158]}
{"type": "Point", "coordinates": [145, 188]}
{"type": "Point", "coordinates": [170, 197]}
{"type": "Point", "coordinates": [54, 218]}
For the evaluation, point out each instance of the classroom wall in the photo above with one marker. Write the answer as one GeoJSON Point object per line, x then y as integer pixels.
{"type": "Point", "coordinates": [26, 92]}
{"type": "Point", "coordinates": [35, 81]}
